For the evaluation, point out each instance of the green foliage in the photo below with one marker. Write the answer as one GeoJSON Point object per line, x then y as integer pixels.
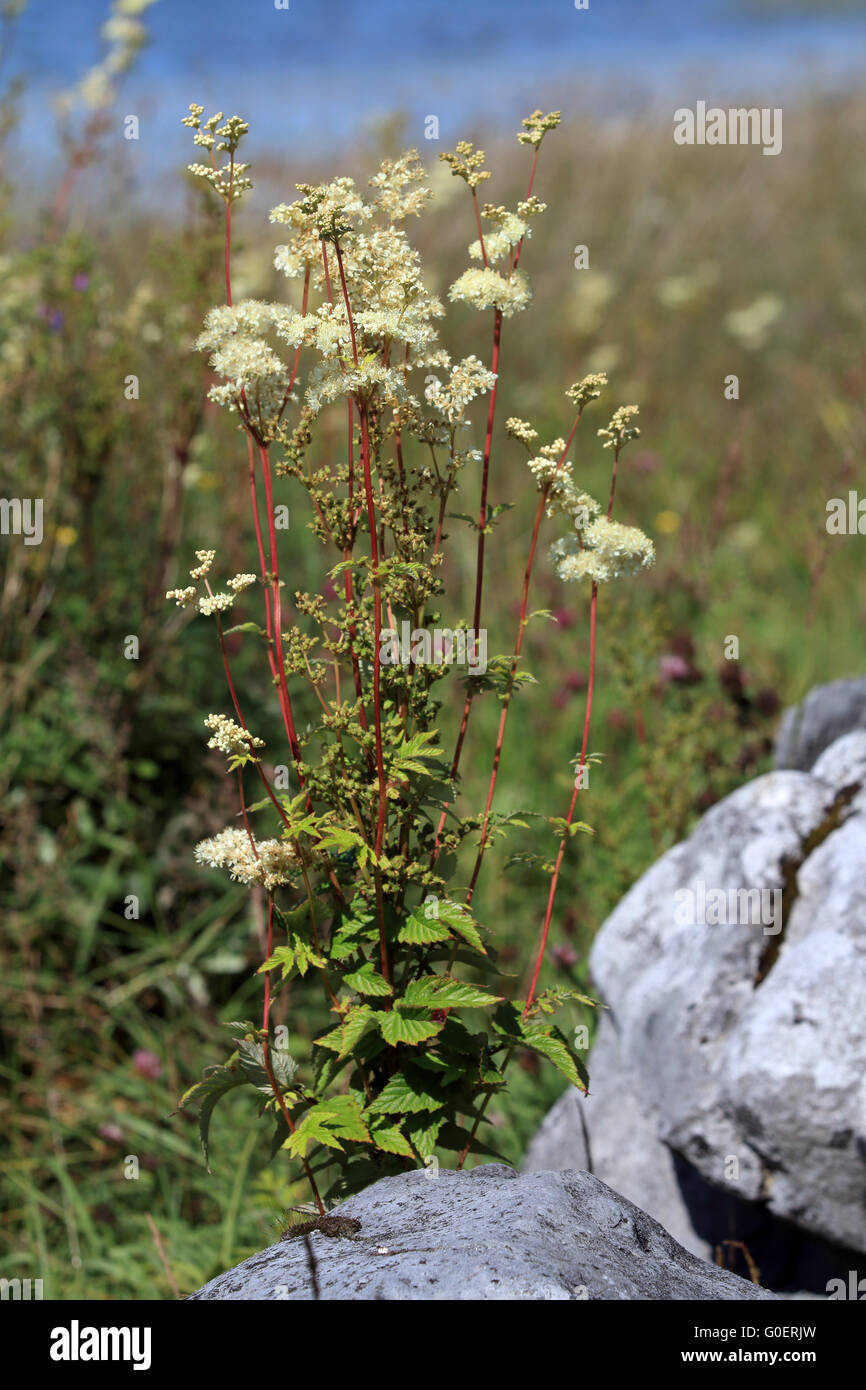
{"type": "Point", "coordinates": [359, 877]}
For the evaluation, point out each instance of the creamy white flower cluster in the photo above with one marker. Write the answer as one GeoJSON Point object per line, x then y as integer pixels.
{"type": "Point", "coordinates": [271, 863]}
{"type": "Point", "coordinates": [620, 430]}
{"type": "Point", "coordinates": [205, 559]}
{"type": "Point", "coordinates": [210, 603]}
{"type": "Point", "coordinates": [230, 737]}
{"type": "Point", "coordinates": [469, 378]}
{"type": "Point", "coordinates": [546, 466]}
{"type": "Point", "coordinates": [326, 385]}
{"type": "Point", "coordinates": [182, 596]}
{"type": "Point", "coordinates": [215, 603]}
{"type": "Point", "coordinates": [536, 126]}
{"type": "Point", "coordinates": [610, 550]}
{"type": "Point", "coordinates": [392, 310]}
{"type": "Point", "coordinates": [510, 231]}
{"type": "Point", "coordinates": [564, 499]}
{"type": "Point", "coordinates": [588, 389]}
{"type": "Point", "coordinates": [230, 182]}
{"type": "Point", "coordinates": [255, 376]}
{"type": "Point", "coordinates": [486, 288]}
{"type": "Point", "coordinates": [327, 209]}
{"type": "Point", "coordinates": [467, 163]}
{"type": "Point", "coordinates": [520, 429]}
{"type": "Point", "coordinates": [401, 186]}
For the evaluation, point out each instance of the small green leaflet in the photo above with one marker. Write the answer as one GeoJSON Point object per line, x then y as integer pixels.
{"type": "Point", "coordinates": [548, 1040]}
{"type": "Point", "coordinates": [327, 1123]}
{"type": "Point", "coordinates": [240, 1027]}
{"type": "Point", "coordinates": [336, 837]}
{"type": "Point", "coordinates": [347, 1034]}
{"type": "Point", "coordinates": [390, 1139]}
{"type": "Point", "coordinates": [552, 998]}
{"type": "Point", "coordinates": [345, 1118]}
{"type": "Point", "coordinates": [407, 757]}
{"type": "Point", "coordinates": [351, 932]}
{"type": "Point", "coordinates": [297, 955]}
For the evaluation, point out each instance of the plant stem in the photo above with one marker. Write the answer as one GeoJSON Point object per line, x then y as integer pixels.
{"type": "Point", "coordinates": [521, 629]}
{"type": "Point", "coordinates": [577, 781]}
{"type": "Point", "coordinates": [479, 564]}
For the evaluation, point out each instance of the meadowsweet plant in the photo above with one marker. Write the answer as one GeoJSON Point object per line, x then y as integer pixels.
{"type": "Point", "coordinates": [358, 858]}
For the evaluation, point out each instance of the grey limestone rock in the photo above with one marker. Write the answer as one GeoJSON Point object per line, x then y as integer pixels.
{"type": "Point", "coordinates": [826, 713]}
{"type": "Point", "coordinates": [739, 1046]}
{"type": "Point", "coordinates": [487, 1234]}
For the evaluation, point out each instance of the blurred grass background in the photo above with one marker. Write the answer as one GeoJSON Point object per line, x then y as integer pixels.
{"type": "Point", "coordinates": [701, 265]}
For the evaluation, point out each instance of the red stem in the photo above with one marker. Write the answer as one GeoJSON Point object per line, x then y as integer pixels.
{"type": "Point", "coordinates": [518, 644]}
{"type": "Point", "coordinates": [254, 502]}
{"type": "Point", "coordinates": [228, 249]}
{"type": "Point", "coordinates": [494, 367]}
{"type": "Point", "coordinates": [577, 781]}
{"type": "Point", "coordinates": [478, 225]}
{"type": "Point", "coordinates": [479, 566]}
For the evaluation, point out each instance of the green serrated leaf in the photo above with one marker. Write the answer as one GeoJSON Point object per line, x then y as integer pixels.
{"type": "Point", "coordinates": [240, 1027]}
{"type": "Point", "coordinates": [459, 919]}
{"type": "Point", "coordinates": [420, 930]}
{"type": "Point", "coordinates": [350, 933]}
{"type": "Point", "coordinates": [424, 1132]}
{"type": "Point", "coordinates": [367, 980]}
{"type": "Point", "coordinates": [390, 1139]}
{"type": "Point", "coordinates": [544, 1038]}
{"type": "Point", "coordinates": [406, 1094]}
{"type": "Point", "coordinates": [342, 1116]}
{"type": "Point", "coordinates": [407, 1026]}
{"type": "Point", "coordinates": [441, 992]}
{"type": "Point", "coordinates": [312, 1128]}
{"type": "Point", "coordinates": [206, 1094]}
